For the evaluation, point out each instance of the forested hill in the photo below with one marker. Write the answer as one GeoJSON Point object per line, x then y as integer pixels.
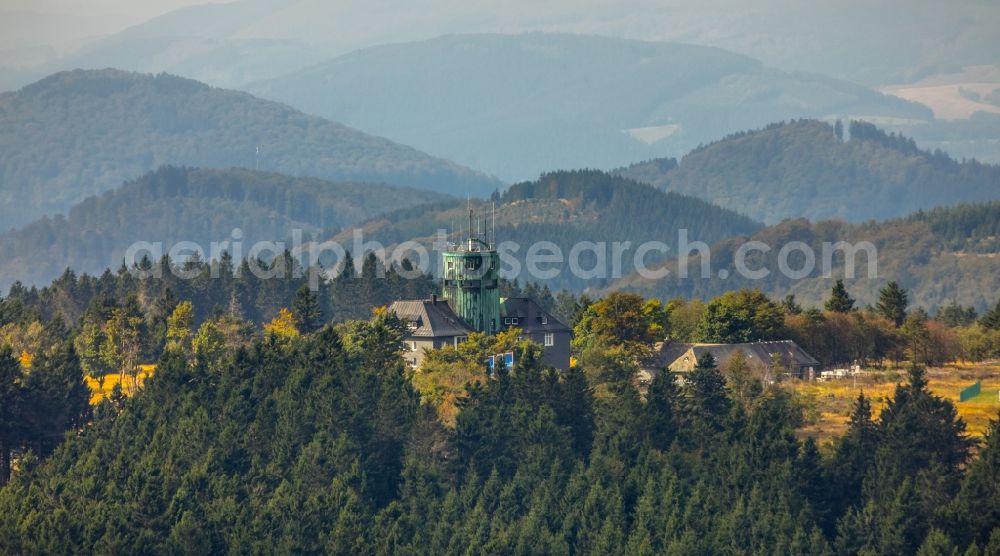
{"type": "Point", "coordinates": [78, 133]}
{"type": "Point", "coordinates": [815, 170]}
{"type": "Point", "coordinates": [567, 208]}
{"type": "Point", "coordinates": [179, 204]}
{"type": "Point", "coordinates": [319, 444]}
{"type": "Point", "coordinates": [942, 256]}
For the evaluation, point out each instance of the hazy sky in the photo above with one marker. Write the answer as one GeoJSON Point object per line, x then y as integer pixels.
{"type": "Point", "coordinates": [132, 9]}
{"type": "Point", "coordinates": [885, 42]}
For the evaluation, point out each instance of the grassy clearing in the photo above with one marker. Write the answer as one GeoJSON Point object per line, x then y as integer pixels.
{"type": "Point", "coordinates": [98, 392]}
{"type": "Point", "coordinates": [828, 404]}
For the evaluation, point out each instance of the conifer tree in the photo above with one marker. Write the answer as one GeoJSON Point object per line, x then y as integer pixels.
{"type": "Point", "coordinates": [791, 306]}
{"type": "Point", "coordinates": [991, 319]}
{"type": "Point", "coordinates": [662, 403]}
{"type": "Point", "coordinates": [922, 440]}
{"type": "Point", "coordinates": [840, 301]}
{"type": "Point", "coordinates": [59, 400]}
{"type": "Point", "coordinates": [707, 405]}
{"type": "Point", "coordinates": [854, 455]}
{"type": "Point", "coordinates": [307, 311]}
{"type": "Point", "coordinates": [892, 301]}
{"type": "Point", "coordinates": [11, 398]}
{"type": "Point", "coordinates": [976, 509]}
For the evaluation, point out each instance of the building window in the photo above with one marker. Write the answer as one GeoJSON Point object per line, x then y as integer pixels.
{"type": "Point", "coordinates": [513, 321]}
{"type": "Point", "coordinates": [545, 319]}
{"type": "Point", "coordinates": [506, 320]}
{"type": "Point", "coordinates": [460, 339]}
{"type": "Point", "coordinates": [413, 346]}
{"type": "Point", "coordinates": [550, 339]}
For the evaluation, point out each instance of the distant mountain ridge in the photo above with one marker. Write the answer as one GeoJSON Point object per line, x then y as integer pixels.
{"type": "Point", "coordinates": [803, 169]}
{"type": "Point", "coordinates": [175, 204]}
{"type": "Point", "coordinates": [79, 133]}
{"type": "Point", "coordinates": [519, 105]}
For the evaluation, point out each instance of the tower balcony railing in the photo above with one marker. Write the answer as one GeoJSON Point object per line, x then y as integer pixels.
{"type": "Point", "coordinates": [472, 284]}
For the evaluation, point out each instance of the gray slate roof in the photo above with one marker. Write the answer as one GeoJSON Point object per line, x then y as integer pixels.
{"type": "Point", "coordinates": [432, 318]}
{"type": "Point", "coordinates": [793, 355]}
{"type": "Point", "coordinates": [530, 316]}
{"type": "Point", "coordinates": [669, 353]}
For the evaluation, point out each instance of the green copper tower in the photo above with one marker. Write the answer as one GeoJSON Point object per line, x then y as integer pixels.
{"type": "Point", "coordinates": [471, 282]}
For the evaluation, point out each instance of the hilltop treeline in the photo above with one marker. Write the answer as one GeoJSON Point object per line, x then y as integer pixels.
{"type": "Point", "coordinates": [319, 443]}
{"type": "Point", "coordinates": [172, 205]}
{"type": "Point", "coordinates": [253, 291]}
{"type": "Point", "coordinates": [570, 208]}
{"type": "Point", "coordinates": [815, 170]}
{"type": "Point", "coordinates": [969, 227]}
{"type": "Point", "coordinates": [943, 256]}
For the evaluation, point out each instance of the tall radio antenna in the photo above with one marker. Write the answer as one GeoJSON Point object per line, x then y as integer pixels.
{"type": "Point", "coordinates": [468, 203]}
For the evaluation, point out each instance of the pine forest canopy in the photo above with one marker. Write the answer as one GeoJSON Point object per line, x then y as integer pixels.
{"type": "Point", "coordinates": [320, 443]}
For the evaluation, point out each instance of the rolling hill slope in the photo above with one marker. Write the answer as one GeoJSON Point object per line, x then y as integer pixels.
{"type": "Point", "coordinates": [179, 204]}
{"type": "Point", "coordinates": [567, 208]}
{"type": "Point", "coordinates": [802, 169]}
{"type": "Point", "coordinates": [79, 133]}
{"type": "Point", "coordinates": [941, 256]}
{"type": "Point", "coordinates": [519, 105]}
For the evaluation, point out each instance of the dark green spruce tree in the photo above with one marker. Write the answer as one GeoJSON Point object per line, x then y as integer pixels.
{"type": "Point", "coordinates": [892, 301]}
{"type": "Point", "coordinates": [707, 405]}
{"type": "Point", "coordinates": [307, 310]}
{"type": "Point", "coordinates": [10, 410]}
{"type": "Point", "coordinates": [974, 514]}
{"type": "Point", "coordinates": [840, 301]}
{"type": "Point", "coordinates": [991, 319]}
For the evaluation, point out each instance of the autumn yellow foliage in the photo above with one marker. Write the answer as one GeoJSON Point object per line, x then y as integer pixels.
{"type": "Point", "coordinates": [98, 393]}
{"type": "Point", "coordinates": [283, 325]}
{"type": "Point", "coordinates": [445, 372]}
{"type": "Point", "coordinates": [828, 404]}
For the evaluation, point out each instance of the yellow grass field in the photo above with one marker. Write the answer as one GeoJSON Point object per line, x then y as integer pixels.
{"type": "Point", "coordinates": [110, 380]}
{"type": "Point", "coordinates": [828, 404]}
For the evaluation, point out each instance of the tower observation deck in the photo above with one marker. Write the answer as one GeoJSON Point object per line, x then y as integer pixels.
{"type": "Point", "coordinates": [472, 281]}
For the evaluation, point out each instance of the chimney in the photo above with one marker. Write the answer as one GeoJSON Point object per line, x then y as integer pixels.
{"type": "Point", "coordinates": [434, 299]}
